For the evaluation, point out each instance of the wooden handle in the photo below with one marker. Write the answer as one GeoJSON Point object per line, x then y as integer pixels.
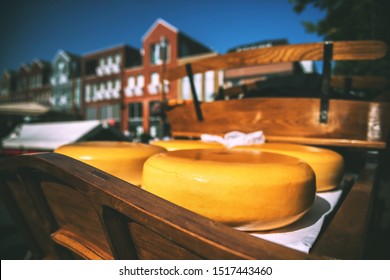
{"type": "Point", "coordinates": [346, 50]}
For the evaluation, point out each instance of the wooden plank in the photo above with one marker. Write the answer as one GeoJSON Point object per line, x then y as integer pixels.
{"type": "Point", "coordinates": [343, 50]}
{"type": "Point", "coordinates": [357, 82]}
{"type": "Point", "coordinates": [351, 123]}
{"type": "Point", "coordinates": [346, 235]}
{"type": "Point", "coordinates": [80, 246]}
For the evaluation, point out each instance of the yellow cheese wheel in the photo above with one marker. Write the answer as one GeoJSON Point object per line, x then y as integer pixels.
{"type": "Point", "coordinates": [122, 159]}
{"type": "Point", "coordinates": [250, 190]}
{"type": "Point", "coordinates": [173, 145]}
{"type": "Point", "coordinates": [327, 165]}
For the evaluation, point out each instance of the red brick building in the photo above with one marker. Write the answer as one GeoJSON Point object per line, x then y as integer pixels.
{"type": "Point", "coordinates": [102, 74]}
{"type": "Point", "coordinates": [163, 46]}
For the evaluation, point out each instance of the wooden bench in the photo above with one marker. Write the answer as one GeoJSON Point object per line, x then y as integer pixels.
{"type": "Point", "coordinates": [69, 210]}
{"type": "Point", "coordinates": [316, 120]}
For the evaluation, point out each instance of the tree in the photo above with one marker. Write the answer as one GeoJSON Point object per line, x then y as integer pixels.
{"type": "Point", "coordinates": [352, 20]}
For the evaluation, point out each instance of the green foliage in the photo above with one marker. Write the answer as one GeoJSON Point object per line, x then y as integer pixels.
{"type": "Point", "coordinates": [352, 20]}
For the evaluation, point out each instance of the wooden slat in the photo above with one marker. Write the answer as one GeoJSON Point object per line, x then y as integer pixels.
{"type": "Point", "coordinates": [351, 123]}
{"type": "Point", "coordinates": [359, 82]}
{"type": "Point", "coordinates": [348, 50]}
{"type": "Point", "coordinates": [80, 246]}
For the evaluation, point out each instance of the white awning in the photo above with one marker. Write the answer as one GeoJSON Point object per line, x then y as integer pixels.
{"type": "Point", "coordinates": [48, 136]}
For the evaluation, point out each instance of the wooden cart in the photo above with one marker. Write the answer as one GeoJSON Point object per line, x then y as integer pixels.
{"type": "Point", "coordinates": [67, 209]}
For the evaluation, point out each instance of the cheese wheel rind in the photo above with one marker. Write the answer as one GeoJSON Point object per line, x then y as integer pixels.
{"type": "Point", "coordinates": [246, 189]}
{"type": "Point", "coordinates": [173, 144]}
{"type": "Point", "coordinates": [122, 159]}
{"type": "Point", "coordinates": [328, 165]}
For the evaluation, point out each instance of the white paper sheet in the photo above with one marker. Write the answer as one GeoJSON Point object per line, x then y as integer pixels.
{"type": "Point", "coordinates": [302, 234]}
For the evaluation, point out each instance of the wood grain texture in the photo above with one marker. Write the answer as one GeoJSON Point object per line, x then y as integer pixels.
{"type": "Point", "coordinates": [139, 225]}
{"type": "Point", "coordinates": [348, 240]}
{"type": "Point", "coordinates": [359, 82]}
{"type": "Point", "coordinates": [351, 123]}
{"type": "Point", "coordinates": [153, 227]}
{"type": "Point", "coordinates": [340, 82]}
{"type": "Point", "coordinates": [343, 50]}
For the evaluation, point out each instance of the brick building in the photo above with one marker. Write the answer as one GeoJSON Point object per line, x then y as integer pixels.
{"type": "Point", "coordinates": [163, 47]}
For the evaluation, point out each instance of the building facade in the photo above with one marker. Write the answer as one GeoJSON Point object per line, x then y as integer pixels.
{"type": "Point", "coordinates": [163, 47]}
{"type": "Point", "coordinates": [33, 82]}
{"type": "Point", "coordinates": [102, 75]}
{"type": "Point", "coordinates": [66, 82]}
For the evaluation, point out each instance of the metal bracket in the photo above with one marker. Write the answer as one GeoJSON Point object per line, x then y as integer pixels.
{"type": "Point", "coordinates": [325, 87]}
{"type": "Point", "coordinates": [198, 110]}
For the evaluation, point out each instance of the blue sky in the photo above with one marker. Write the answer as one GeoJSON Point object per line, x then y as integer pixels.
{"type": "Point", "coordinates": [38, 29]}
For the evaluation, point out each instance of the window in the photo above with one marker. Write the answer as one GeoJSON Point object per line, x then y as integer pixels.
{"type": "Point", "coordinates": [209, 86]}
{"type": "Point", "coordinates": [140, 81]}
{"type": "Point", "coordinates": [153, 87]}
{"type": "Point", "coordinates": [110, 84]}
{"type": "Point", "coordinates": [159, 52]}
{"type": "Point", "coordinates": [61, 66]}
{"type": "Point", "coordinates": [117, 84]}
{"type": "Point", "coordinates": [88, 93]}
{"type": "Point", "coordinates": [135, 112]}
{"type": "Point", "coordinates": [101, 62]}
{"type": "Point", "coordinates": [139, 90]}
{"type": "Point", "coordinates": [198, 85]}
{"type": "Point", "coordinates": [118, 59]}
{"type": "Point", "coordinates": [185, 89]}
{"type": "Point", "coordinates": [155, 78]}
{"type": "Point", "coordinates": [91, 113]}
{"type": "Point", "coordinates": [110, 112]}
{"type": "Point", "coordinates": [109, 60]}
{"type": "Point", "coordinates": [131, 82]}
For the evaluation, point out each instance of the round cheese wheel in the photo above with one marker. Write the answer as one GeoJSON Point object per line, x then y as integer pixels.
{"type": "Point", "coordinates": [124, 160]}
{"type": "Point", "coordinates": [327, 165]}
{"type": "Point", "coordinates": [173, 145]}
{"type": "Point", "coordinates": [250, 190]}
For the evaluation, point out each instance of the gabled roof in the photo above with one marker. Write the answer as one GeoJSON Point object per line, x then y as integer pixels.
{"type": "Point", "coordinates": [157, 23]}
{"type": "Point", "coordinates": [67, 55]}
{"type": "Point", "coordinates": [8, 72]}
{"type": "Point", "coordinates": [24, 66]}
{"type": "Point", "coordinates": [41, 63]}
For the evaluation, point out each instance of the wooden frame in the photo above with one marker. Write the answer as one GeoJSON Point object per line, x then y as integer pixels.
{"type": "Point", "coordinates": [67, 209]}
